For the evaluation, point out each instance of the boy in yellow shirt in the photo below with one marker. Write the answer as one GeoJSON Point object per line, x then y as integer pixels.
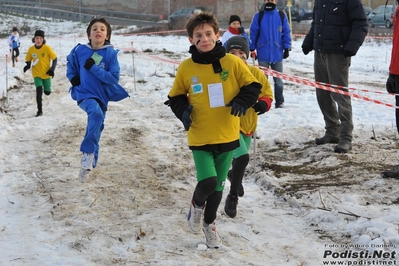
{"type": "Point", "coordinates": [211, 91]}
{"type": "Point", "coordinates": [39, 57]}
{"type": "Point", "coordinates": [238, 45]}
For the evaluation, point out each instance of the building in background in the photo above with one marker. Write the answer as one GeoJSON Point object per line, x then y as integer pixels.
{"type": "Point", "coordinates": [222, 8]}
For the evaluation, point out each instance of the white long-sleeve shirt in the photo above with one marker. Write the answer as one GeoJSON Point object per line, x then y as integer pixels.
{"type": "Point", "coordinates": [13, 40]}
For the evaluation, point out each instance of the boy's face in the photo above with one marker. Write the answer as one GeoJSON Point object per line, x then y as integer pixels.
{"type": "Point", "coordinates": [204, 38]}
{"type": "Point", "coordinates": [240, 53]}
{"type": "Point", "coordinates": [235, 24]}
{"type": "Point", "coordinates": [38, 41]}
{"type": "Point", "coordinates": [98, 33]}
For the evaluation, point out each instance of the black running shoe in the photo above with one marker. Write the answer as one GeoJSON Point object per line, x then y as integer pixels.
{"type": "Point", "coordinates": [230, 208]}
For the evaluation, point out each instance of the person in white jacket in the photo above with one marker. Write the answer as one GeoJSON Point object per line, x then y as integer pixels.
{"type": "Point", "coordinates": [235, 29]}
{"type": "Point", "coordinates": [13, 43]}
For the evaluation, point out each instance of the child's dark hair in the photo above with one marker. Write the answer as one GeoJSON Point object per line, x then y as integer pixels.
{"type": "Point", "coordinates": [101, 20]}
{"type": "Point", "coordinates": [33, 40]}
{"type": "Point", "coordinates": [201, 19]}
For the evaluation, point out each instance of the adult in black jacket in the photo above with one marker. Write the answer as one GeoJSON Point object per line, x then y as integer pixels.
{"type": "Point", "coordinates": [338, 29]}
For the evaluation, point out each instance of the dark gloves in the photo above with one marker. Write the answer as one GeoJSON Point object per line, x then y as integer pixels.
{"type": "Point", "coordinates": [167, 103]}
{"type": "Point", "coordinates": [75, 81]}
{"type": "Point", "coordinates": [186, 119]}
{"type": "Point", "coordinates": [253, 55]}
{"type": "Point", "coordinates": [286, 53]}
{"type": "Point", "coordinates": [89, 63]}
{"type": "Point", "coordinates": [27, 66]}
{"type": "Point", "coordinates": [236, 108]}
{"type": "Point", "coordinates": [260, 107]}
{"type": "Point", "coordinates": [50, 72]}
{"type": "Point", "coordinates": [305, 50]}
{"type": "Point", "coordinates": [178, 104]}
{"type": "Point", "coordinates": [246, 98]}
{"type": "Point", "coordinates": [391, 84]}
{"type": "Point", "coordinates": [348, 53]}
{"type": "Point", "coordinates": [241, 30]}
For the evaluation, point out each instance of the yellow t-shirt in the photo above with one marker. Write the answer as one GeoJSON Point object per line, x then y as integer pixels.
{"type": "Point", "coordinates": [209, 92]}
{"type": "Point", "coordinates": [249, 121]}
{"type": "Point", "coordinates": [40, 60]}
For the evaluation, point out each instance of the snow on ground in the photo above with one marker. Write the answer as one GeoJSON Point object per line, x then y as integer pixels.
{"type": "Point", "coordinates": [303, 204]}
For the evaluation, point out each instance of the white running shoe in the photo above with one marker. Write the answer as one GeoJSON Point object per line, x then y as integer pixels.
{"type": "Point", "coordinates": [83, 175]}
{"type": "Point", "coordinates": [87, 165]}
{"type": "Point", "coordinates": [212, 237]}
{"type": "Point", "coordinates": [195, 217]}
{"type": "Point", "coordinates": [87, 161]}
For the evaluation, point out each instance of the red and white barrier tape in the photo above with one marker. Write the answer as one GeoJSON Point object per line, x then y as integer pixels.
{"type": "Point", "coordinates": [221, 29]}
{"type": "Point", "coordinates": [320, 85]}
{"type": "Point", "coordinates": [328, 87]}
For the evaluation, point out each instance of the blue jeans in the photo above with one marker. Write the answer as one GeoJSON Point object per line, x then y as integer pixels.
{"type": "Point", "coordinates": [95, 125]}
{"type": "Point", "coordinates": [278, 82]}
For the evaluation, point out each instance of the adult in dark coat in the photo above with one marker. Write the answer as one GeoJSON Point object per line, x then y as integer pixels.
{"type": "Point", "coordinates": [338, 29]}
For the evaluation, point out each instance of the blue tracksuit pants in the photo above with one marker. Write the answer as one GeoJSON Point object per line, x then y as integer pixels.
{"type": "Point", "coordinates": [94, 128]}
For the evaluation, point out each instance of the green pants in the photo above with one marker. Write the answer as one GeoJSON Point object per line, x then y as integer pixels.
{"type": "Point", "coordinates": [40, 85]}
{"type": "Point", "coordinates": [245, 144]}
{"type": "Point", "coordinates": [44, 83]}
{"type": "Point", "coordinates": [212, 163]}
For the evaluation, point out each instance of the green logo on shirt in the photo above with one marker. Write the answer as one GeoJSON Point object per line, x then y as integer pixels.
{"type": "Point", "coordinates": [224, 74]}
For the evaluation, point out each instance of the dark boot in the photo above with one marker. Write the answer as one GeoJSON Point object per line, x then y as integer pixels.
{"type": "Point", "coordinates": [393, 173]}
{"type": "Point", "coordinates": [343, 147]}
{"type": "Point", "coordinates": [326, 139]}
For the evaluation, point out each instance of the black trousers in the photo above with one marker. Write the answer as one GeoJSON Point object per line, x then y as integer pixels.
{"type": "Point", "coordinates": [39, 93]}
{"type": "Point", "coordinates": [14, 53]}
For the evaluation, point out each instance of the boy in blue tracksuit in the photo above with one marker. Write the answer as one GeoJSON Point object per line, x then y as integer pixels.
{"type": "Point", "coordinates": [93, 70]}
{"type": "Point", "coordinates": [271, 38]}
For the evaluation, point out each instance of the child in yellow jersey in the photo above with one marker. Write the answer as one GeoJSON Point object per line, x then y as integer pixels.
{"type": "Point", "coordinates": [211, 91]}
{"type": "Point", "coordinates": [238, 46]}
{"type": "Point", "coordinates": [39, 57]}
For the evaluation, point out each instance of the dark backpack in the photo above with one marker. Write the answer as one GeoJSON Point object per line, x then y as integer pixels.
{"type": "Point", "coordinates": [260, 17]}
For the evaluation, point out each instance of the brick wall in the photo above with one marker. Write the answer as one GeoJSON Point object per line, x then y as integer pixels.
{"type": "Point", "coordinates": [244, 8]}
{"type": "Point", "coordinates": [222, 8]}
